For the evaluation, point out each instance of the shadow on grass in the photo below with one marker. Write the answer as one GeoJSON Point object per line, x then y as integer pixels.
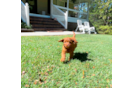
{"type": "Point", "coordinates": [81, 57]}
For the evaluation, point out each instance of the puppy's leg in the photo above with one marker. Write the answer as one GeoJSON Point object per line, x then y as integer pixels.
{"type": "Point", "coordinates": [71, 56]}
{"type": "Point", "coordinates": [63, 55]}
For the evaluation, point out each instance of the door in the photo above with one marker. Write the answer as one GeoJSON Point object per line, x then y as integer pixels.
{"type": "Point", "coordinates": [32, 5]}
{"type": "Point", "coordinates": [49, 6]}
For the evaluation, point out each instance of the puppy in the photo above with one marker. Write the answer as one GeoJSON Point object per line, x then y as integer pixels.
{"type": "Point", "coordinates": [69, 45]}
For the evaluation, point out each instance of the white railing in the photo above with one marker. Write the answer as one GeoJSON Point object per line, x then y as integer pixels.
{"type": "Point", "coordinates": [63, 17]}
{"type": "Point", "coordinates": [69, 9]}
{"type": "Point", "coordinates": [59, 15]}
{"type": "Point", "coordinates": [25, 13]}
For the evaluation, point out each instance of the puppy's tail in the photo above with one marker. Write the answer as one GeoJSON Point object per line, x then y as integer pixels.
{"type": "Point", "coordinates": [73, 34]}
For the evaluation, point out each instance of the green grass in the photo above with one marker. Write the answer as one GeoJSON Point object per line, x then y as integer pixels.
{"type": "Point", "coordinates": [90, 68]}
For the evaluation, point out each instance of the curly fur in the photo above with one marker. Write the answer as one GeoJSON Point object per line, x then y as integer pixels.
{"type": "Point", "coordinates": [69, 45]}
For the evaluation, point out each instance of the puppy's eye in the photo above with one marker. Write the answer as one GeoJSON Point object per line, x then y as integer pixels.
{"type": "Point", "coordinates": [72, 41]}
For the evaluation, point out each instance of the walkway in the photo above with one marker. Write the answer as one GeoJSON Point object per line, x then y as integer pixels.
{"type": "Point", "coordinates": [40, 33]}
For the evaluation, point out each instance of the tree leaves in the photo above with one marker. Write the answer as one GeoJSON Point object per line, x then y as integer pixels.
{"type": "Point", "coordinates": [100, 13]}
{"type": "Point", "coordinates": [104, 17]}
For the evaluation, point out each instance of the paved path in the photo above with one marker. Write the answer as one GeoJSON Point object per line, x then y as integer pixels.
{"type": "Point", "coordinates": [40, 33]}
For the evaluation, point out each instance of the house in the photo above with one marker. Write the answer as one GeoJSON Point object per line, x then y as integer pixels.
{"type": "Point", "coordinates": [46, 15]}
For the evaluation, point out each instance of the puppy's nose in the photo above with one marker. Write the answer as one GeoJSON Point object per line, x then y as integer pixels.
{"type": "Point", "coordinates": [67, 44]}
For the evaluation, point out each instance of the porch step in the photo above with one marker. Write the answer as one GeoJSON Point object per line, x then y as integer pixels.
{"type": "Point", "coordinates": [45, 24]}
{"type": "Point", "coordinates": [49, 29]}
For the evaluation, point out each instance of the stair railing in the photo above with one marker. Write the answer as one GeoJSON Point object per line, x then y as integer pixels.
{"type": "Point", "coordinates": [25, 13]}
{"type": "Point", "coordinates": [59, 15]}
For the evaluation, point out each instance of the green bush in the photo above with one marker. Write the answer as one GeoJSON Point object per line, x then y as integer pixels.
{"type": "Point", "coordinates": [24, 25]}
{"type": "Point", "coordinates": [105, 29]}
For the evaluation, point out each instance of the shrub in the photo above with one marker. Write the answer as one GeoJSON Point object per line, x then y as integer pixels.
{"type": "Point", "coordinates": [105, 29]}
{"type": "Point", "coordinates": [24, 25]}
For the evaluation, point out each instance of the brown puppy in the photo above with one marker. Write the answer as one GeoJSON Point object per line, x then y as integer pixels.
{"type": "Point", "coordinates": [69, 45]}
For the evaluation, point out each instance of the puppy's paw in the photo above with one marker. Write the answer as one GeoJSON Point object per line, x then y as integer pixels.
{"type": "Point", "coordinates": [62, 60]}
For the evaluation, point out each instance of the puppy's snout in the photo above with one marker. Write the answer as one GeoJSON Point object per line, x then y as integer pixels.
{"type": "Point", "coordinates": [68, 45]}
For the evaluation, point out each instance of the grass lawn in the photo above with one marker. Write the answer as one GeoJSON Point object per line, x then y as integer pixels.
{"type": "Point", "coordinates": [90, 68]}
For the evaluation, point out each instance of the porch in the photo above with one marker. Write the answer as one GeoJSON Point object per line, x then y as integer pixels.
{"type": "Point", "coordinates": [66, 12]}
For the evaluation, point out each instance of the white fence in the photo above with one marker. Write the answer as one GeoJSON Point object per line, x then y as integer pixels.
{"type": "Point", "coordinates": [25, 13]}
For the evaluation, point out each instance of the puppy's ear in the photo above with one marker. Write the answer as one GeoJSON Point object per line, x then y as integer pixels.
{"type": "Point", "coordinates": [74, 41]}
{"type": "Point", "coordinates": [61, 40]}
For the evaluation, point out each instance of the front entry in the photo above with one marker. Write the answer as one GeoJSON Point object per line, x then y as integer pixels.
{"type": "Point", "coordinates": [42, 7]}
{"type": "Point", "coordinates": [32, 6]}
{"type": "Point", "coordinates": [49, 8]}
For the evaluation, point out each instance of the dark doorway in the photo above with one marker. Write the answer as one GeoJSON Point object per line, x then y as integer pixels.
{"type": "Point", "coordinates": [65, 4]}
{"type": "Point", "coordinates": [32, 5]}
{"type": "Point", "coordinates": [49, 8]}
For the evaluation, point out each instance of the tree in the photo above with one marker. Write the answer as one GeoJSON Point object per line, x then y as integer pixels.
{"type": "Point", "coordinates": [105, 10]}
{"type": "Point", "coordinates": [100, 13]}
